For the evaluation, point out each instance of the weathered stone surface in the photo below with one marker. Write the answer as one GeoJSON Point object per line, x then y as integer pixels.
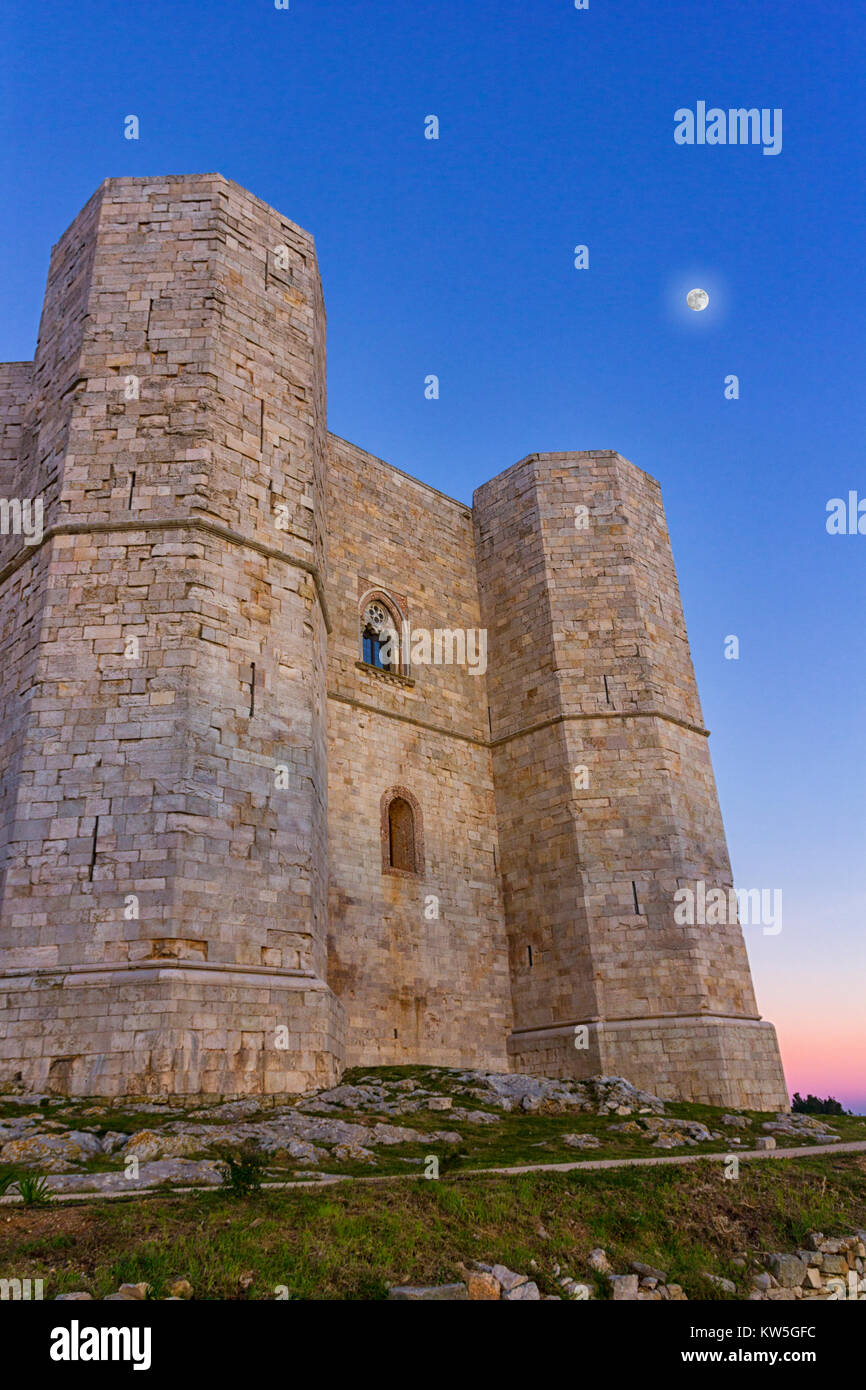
{"type": "Point", "coordinates": [598, 1260]}
{"type": "Point", "coordinates": [581, 1141]}
{"type": "Point", "coordinates": [482, 1286]}
{"type": "Point", "coordinates": [624, 1287]}
{"type": "Point", "coordinates": [525, 1292]}
{"type": "Point", "coordinates": [139, 1291]}
{"type": "Point", "coordinates": [507, 1278]}
{"type": "Point", "coordinates": [51, 1153]}
{"type": "Point", "coordinates": [800, 1127]}
{"type": "Point", "coordinates": [788, 1270]}
{"type": "Point", "coordinates": [351, 1153]}
{"type": "Point", "coordinates": [183, 1171]}
{"type": "Point", "coordinates": [148, 1144]}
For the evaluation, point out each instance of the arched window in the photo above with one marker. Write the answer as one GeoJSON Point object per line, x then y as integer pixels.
{"type": "Point", "coordinates": [380, 636]}
{"type": "Point", "coordinates": [402, 834]}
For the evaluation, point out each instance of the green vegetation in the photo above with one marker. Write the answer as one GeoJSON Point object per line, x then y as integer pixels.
{"type": "Point", "coordinates": [813, 1105]}
{"type": "Point", "coordinates": [33, 1190]}
{"type": "Point", "coordinates": [352, 1240]}
{"type": "Point", "coordinates": [242, 1169]}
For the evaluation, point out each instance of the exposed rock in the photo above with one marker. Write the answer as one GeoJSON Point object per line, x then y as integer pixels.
{"type": "Point", "coordinates": [766, 1141]}
{"type": "Point", "coordinates": [526, 1292]}
{"type": "Point", "coordinates": [112, 1141]}
{"type": "Point", "coordinates": [801, 1127]}
{"type": "Point", "coordinates": [788, 1270]}
{"type": "Point", "coordinates": [148, 1144]}
{"type": "Point", "coordinates": [624, 1287]}
{"type": "Point", "coordinates": [599, 1261]}
{"type": "Point", "coordinates": [598, 1094]}
{"type": "Point", "coordinates": [78, 1297]}
{"type": "Point", "coordinates": [352, 1153]}
{"type": "Point", "coordinates": [51, 1153]}
{"type": "Point", "coordinates": [482, 1286]}
{"type": "Point", "coordinates": [581, 1141]}
{"type": "Point", "coordinates": [669, 1133]}
{"type": "Point", "coordinates": [507, 1278]}
{"type": "Point", "coordinates": [649, 1272]}
{"type": "Point", "coordinates": [139, 1291]}
{"type": "Point", "coordinates": [188, 1172]}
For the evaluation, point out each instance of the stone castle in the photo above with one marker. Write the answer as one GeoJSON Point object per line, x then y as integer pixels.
{"type": "Point", "coordinates": [305, 764]}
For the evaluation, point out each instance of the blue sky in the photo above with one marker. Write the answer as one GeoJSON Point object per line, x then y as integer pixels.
{"type": "Point", "coordinates": [455, 257]}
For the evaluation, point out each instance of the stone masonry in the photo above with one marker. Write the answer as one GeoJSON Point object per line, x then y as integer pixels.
{"type": "Point", "coordinates": [239, 852]}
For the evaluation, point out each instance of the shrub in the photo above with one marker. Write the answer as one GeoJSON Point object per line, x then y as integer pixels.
{"type": "Point", "coordinates": [242, 1168]}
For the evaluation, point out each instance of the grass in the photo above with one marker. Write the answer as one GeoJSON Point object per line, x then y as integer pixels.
{"type": "Point", "coordinates": [354, 1240]}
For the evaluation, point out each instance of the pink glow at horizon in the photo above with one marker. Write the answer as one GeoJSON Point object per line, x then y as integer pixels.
{"type": "Point", "coordinates": [824, 1055]}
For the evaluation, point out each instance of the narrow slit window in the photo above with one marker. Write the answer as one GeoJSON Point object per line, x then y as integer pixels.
{"type": "Point", "coordinates": [93, 848]}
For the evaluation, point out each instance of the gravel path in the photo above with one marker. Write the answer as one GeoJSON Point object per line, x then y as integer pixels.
{"type": "Point", "coordinates": [853, 1146]}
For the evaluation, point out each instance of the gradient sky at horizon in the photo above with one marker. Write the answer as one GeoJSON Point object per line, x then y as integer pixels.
{"type": "Point", "coordinates": [456, 258]}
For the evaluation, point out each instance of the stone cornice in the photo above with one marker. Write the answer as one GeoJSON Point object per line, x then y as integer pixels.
{"type": "Point", "coordinates": [192, 523]}
{"type": "Point", "coordinates": [518, 733]}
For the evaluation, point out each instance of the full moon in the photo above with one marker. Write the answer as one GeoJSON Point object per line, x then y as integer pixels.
{"type": "Point", "coordinates": [697, 300]}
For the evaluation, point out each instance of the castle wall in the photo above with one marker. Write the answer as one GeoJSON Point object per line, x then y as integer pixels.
{"type": "Point", "coordinates": [20, 596]}
{"type": "Point", "coordinates": [150, 828]}
{"type": "Point", "coordinates": [416, 987]}
{"type": "Point", "coordinates": [38, 402]}
{"type": "Point", "coordinates": [606, 798]}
